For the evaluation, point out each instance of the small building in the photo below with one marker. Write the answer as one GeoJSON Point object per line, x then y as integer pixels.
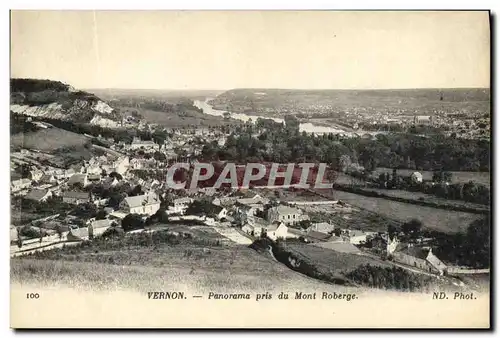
{"type": "Point", "coordinates": [20, 184]}
{"type": "Point", "coordinates": [78, 235]}
{"type": "Point", "coordinates": [39, 195]}
{"type": "Point", "coordinates": [180, 205]}
{"type": "Point", "coordinates": [101, 225]}
{"type": "Point", "coordinates": [137, 143]}
{"type": "Point", "coordinates": [75, 197]}
{"type": "Point", "coordinates": [147, 204]}
{"type": "Point", "coordinates": [354, 236]}
{"type": "Point", "coordinates": [81, 179]}
{"type": "Point", "coordinates": [285, 214]}
{"type": "Point", "coordinates": [323, 227]}
{"type": "Point", "coordinates": [276, 231]}
{"type": "Point", "coordinates": [36, 174]}
{"type": "Point", "coordinates": [418, 257]}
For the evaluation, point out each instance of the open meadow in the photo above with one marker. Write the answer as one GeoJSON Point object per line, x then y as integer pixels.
{"type": "Point", "coordinates": [185, 265]}
{"type": "Point", "coordinates": [432, 218]}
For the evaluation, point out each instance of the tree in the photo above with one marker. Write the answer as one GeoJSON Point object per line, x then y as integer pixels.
{"type": "Point", "coordinates": [391, 230]}
{"type": "Point", "coordinates": [116, 175]}
{"type": "Point", "coordinates": [101, 214]}
{"type": "Point", "coordinates": [59, 230]}
{"type": "Point", "coordinates": [412, 227]}
{"type": "Point", "coordinates": [132, 222]}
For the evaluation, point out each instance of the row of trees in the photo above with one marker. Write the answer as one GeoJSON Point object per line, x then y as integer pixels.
{"type": "Point", "coordinates": [440, 186]}
{"type": "Point", "coordinates": [388, 278]}
{"type": "Point", "coordinates": [287, 145]}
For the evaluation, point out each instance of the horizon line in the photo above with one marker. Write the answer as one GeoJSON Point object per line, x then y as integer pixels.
{"type": "Point", "coordinates": [281, 88]}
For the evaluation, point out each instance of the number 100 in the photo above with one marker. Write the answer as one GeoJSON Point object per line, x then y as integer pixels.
{"type": "Point", "coordinates": [32, 295]}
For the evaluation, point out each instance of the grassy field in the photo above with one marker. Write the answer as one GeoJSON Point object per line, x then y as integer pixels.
{"type": "Point", "coordinates": [158, 267]}
{"type": "Point", "coordinates": [333, 261]}
{"type": "Point", "coordinates": [432, 218]}
{"type": "Point", "coordinates": [48, 140]}
{"type": "Point", "coordinates": [457, 176]}
{"type": "Point", "coordinates": [420, 196]}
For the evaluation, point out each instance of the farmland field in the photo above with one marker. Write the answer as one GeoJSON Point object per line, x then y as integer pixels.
{"type": "Point", "coordinates": [48, 140]}
{"type": "Point", "coordinates": [457, 176]}
{"type": "Point", "coordinates": [420, 196]}
{"type": "Point", "coordinates": [432, 218]}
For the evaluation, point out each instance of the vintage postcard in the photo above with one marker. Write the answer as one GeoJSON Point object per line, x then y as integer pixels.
{"type": "Point", "coordinates": [250, 169]}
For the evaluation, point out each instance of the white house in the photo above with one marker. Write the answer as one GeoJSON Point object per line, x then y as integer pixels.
{"type": "Point", "coordinates": [20, 184]}
{"type": "Point", "coordinates": [36, 174]}
{"type": "Point", "coordinates": [143, 204]}
{"type": "Point", "coordinates": [275, 231]}
{"type": "Point", "coordinates": [180, 205]}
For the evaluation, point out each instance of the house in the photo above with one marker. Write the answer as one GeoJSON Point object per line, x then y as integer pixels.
{"type": "Point", "coordinates": [109, 182]}
{"type": "Point", "coordinates": [77, 235]}
{"type": "Point", "coordinates": [323, 227]}
{"type": "Point", "coordinates": [276, 230]}
{"type": "Point", "coordinates": [94, 178]}
{"type": "Point", "coordinates": [47, 178]}
{"type": "Point", "coordinates": [36, 174]}
{"type": "Point", "coordinates": [219, 212]}
{"type": "Point", "coordinates": [20, 184]}
{"type": "Point", "coordinates": [286, 214]}
{"type": "Point", "coordinates": [354, 236]}
{"type": "Point", "coordinates": [81, 179]}
{"type": "Point", "coordinates": [255, 202]}
{"type": "Point", "coordinates": [39, 195]}
{"type": "Point", "coordinates": [180, 205]}
{"type": "Point", "coordinates": [254, 226]}
{"type": "Point", "coordinates": [75, 197]}
{"type": "Point", "coordinates": [137, 143]}
{"type": "Point", "coordinates": [147, 204]}
{"type": "Point", "coordinates": [121, 165]}
{"type": "Point", "coordinates": [418, 257]}
{"type": "Point", "coordinates": [100, 201]}
{"type": "Point", "coordinates": [243, 213]}
{"type": "Point", "coordinates": [422, 119]}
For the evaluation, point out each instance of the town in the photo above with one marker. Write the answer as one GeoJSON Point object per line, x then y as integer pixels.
{"type": "Point", "coordinates": [115, 183]}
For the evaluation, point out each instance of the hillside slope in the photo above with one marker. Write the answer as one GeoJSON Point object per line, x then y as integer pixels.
{"type": "Point", "coordinates": [57, 100]}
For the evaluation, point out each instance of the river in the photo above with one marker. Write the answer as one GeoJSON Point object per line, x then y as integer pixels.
{"type": "Point", "coordinates": [307, 127]}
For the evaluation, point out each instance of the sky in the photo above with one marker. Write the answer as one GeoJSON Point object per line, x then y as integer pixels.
{"type": "Point", "coordinates": [252, 49]}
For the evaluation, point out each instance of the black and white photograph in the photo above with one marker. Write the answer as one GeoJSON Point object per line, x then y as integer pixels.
{"type": "Point", "coordinates": [250, 169]}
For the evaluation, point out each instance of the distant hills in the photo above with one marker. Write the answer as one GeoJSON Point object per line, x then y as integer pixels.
{"type": "Point", "coordinates": [267, 100]}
